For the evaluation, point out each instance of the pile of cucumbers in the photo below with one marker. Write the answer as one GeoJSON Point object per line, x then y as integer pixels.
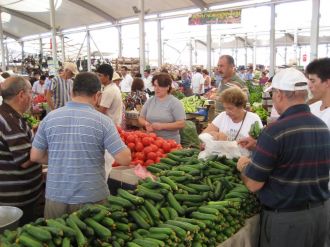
{"type": "Point", "coordinates": [191, 203]}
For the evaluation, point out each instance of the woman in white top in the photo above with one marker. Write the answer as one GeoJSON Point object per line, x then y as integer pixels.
{"type": "Point", "coordinates": [235, 122]}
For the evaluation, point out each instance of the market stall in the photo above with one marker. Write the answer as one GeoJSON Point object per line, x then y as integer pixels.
{"type": "Point", "coordinates": [186, 202]}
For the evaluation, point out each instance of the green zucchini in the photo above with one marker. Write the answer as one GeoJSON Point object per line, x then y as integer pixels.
{"type": "Point", "coordinates": [37, 232]}
{"type": "Point", "coordinates": [100, 230]}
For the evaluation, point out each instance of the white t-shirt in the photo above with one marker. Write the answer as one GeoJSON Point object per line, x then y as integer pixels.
{"type": "Point", "coordinates": [148, 83]}
{"type": "Point", "coordinates": [37, 88]}
{"type": "Point", "coordinates": [126, 84]}
{"type": "Point", "coordinates": [226, 125]}
{"type": "Point", "coordinates": [197, 80]}
{"type": "Point", "coordinates": [324, 114]}
{"type": "Point", "coordinates": [111, 99]}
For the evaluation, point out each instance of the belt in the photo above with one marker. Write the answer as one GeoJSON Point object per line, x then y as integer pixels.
{"type": "Point", "coordinates": [304, 206]}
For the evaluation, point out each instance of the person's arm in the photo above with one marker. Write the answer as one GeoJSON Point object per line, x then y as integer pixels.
{"type": "Point", "coordinates": [27, 164]}
{"type": "Point", "coordinates": [215, 132]}
{"type": "Point", "coordinates": [143, 122]}
{"type": "Point", "coordinates": [251, 184]}
{"type": "Point", "coordinates": [39, 156]}
{"type": "Point", "coordinates": [123, 157]}
{"type": "Point", "coordinates": [101, 109]}
{"type": "Point", "coordinates": [49, 98]}
{"type": "Point", "coordinates": [169, 126]}
{"type": "Point", "coordinates": [247, 143]}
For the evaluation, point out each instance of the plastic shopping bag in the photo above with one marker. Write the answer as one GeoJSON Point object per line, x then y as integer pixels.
{"type": "Point", "coordinates": [230, 149]}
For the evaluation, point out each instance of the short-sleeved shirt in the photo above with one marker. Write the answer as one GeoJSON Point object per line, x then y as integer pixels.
{"type": "Point", "coordinates": [292, 158]}
{"type": "Point", "coordinates": [111, 99]}
{"type": "Point", "coordinates": [234, 81]}
{"type": "Point", "coordinates": [18, 186]}
{"type": "Point", "coordinates": [38, 88]}
{"type": "Point", "coordinates": [126, 84]}
{"type": "Point", "coordinates": [76, 136]}
{"type": "Point", "coordinates": [62, 90]}
{"type": "Point", "coordinates": [196, 81]}
{"type": "Point", "coordinates": [226, 125]}
{"type": "Point", "coordinates": [324, 114]}
{"type": "Point", "coordinates": [168, 110]}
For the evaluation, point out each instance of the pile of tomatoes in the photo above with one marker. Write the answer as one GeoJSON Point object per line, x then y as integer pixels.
{"type": "Point", "coordinates": [147, 148]}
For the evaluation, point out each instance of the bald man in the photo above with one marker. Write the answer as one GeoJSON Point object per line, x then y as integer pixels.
{"type": "Point", "coordinates": [20, 179]}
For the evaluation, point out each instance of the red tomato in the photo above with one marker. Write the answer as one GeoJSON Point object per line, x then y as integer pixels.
{"type": "Point", "coordinates": [153, 136]}
{"type": "Point", "coordinates": [159, 154]}
{"type": "Point", "coordinates": [147, 150]}
{"type": "Point", "coordinates": [166, 147]}
{"type": "Point", "coordinates": [139, 147]}
{"type": "Point", "coordinates": [160, 150]}
{"type": "Point", "coordinates": [172, 143]}
{"type": "Point", "coordinates": [159, 143]}
{"type": "Point", "coordinates": [131, 146]}
{"type": "Point", "coordinates": [149, 162]}
{"type": "Point", "coordinates": [154, 148]}
{"type": "Point", "coordinates": [158, 159]}
{"type": "Point", "coordinates": [130, 138]}
{"type": "Point", "coordinates": [146, 141]}
{"type": "Point", "coordinates": [139, 155]}
{"type": "Point", "coordinates": [152, 156]}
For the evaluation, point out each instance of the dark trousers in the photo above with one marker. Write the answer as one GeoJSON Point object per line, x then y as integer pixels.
{"type": "Point", "coordinates": [29, 213]}
{"type": "Point", "coordinates": [305, 228]}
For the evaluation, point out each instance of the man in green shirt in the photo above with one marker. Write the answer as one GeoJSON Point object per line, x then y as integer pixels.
{"type": "Point", "coordinates": [226, 68]}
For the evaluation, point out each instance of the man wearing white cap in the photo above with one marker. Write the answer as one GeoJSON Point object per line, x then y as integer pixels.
{"type": "Point", "coordinates": [61, 87]}
{"type": "Point", "coordinates": [289, 168]}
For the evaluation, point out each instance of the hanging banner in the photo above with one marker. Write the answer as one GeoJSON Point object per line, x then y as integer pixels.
{"type": "Point", "coordinates": [216, 17]}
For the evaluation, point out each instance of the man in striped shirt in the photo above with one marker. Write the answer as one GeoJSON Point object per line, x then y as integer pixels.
{"type": "Point", "coordinates": [61, 87]}
{"type": "Point", "coordinates": [20, 179]}
{"type": "Point", "coordinates": [72, 140]}
{"type": "Point", "coordinates": [289, 168]}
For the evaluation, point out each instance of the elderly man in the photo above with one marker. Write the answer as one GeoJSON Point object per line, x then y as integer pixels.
{"type": "Point", "coordinates": [226, 69]}
{"type": "Point", "coordinates": [290, 168]}
{"type": "Point", "coordinates": [72, 140]}
{"type": "Point", "coordinates": [61, 87]}
{"type": "Point", "coordinates": [20, 179]}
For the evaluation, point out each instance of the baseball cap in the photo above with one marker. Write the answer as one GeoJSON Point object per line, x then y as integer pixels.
{"type": "Point", "coordinates": [72, 67]}
{"type": "Point", "coordinates": [116, 76]}
{"type": "Point", "coordinates": [287, 79]}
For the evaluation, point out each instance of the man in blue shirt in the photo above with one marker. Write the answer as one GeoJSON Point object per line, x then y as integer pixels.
{"type": "Point", "coordinates": [289, 168]}
{"type": "Point", "coordinates": [72, 140]}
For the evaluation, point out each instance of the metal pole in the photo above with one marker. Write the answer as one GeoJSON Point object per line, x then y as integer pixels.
{"type": "Point", "coordinates": [272, 54]}
{"type": "Point", "coordinates": [63, 48]}
{"type": "Point", "coordinates": [7, 55]}
{"type": "Point", "coordinates": [22, 51]}
{"type": "Point", "coordinates": [209, 47]}
{"type": "Point", "coordinates": [295, 46]}
{"type": "Point", "coordinates": [89, 64]}
{"type": "Point", "coordinates": [190, 54]}
{"type": "Point", "coordinates": [141, 37]}
{"type": "Point", "coordinates": [52, 24]}
{"type": "Point", "coordinates": [255, 49]}
{"type": "Point", "coordinates": [3, 59]}
{"type": "Point", "coordinates": [120, 42]}
{"type": "Point", "coordinates": [82, 44]}
{"type": "Point", "coordinates": [159, 42]}
{"type": "Point", "coordinates": [40, 48]}
{"type": "Point", "coordinates": [315, 29]}
{"type": "Point", "coordinates": [246, 52]}
{"type": "Point", "coordinates": [97, 48]}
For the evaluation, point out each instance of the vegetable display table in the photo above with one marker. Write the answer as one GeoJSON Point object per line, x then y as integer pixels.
{"type": "Point", "coordinates": [247, 236]}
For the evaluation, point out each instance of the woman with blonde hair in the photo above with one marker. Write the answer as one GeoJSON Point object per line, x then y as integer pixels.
{"type": "Point", "coordinates": [234, 122]}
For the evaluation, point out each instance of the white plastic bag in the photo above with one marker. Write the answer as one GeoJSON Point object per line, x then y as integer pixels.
{"type": "Point", "coordinates": [228, 148]}
{"type": "Point", "coordinates": [108, 163]}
